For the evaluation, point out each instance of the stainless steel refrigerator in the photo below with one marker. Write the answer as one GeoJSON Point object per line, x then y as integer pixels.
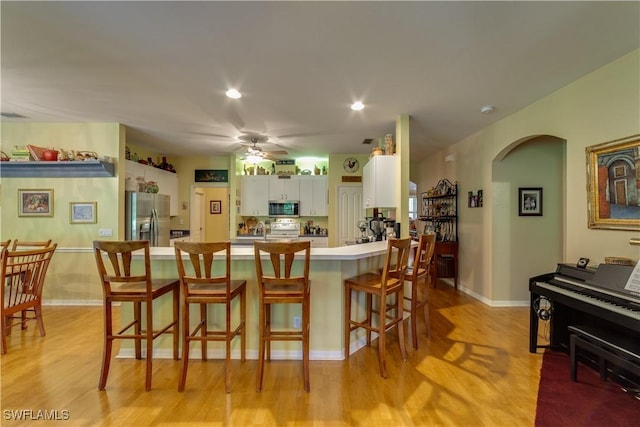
{"type": "Point", "coordinates": [147, 217]}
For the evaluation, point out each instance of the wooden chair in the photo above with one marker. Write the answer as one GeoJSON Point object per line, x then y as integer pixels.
{"type": "Point", "coordinates": [5, 245]}
{"type": "Point", "coordinates": [388, 282]}
{"type": "Point", "coordinates": [23, 274]}
{"type": "Point", "coordinates": [27, 245]}
{"type": "Point", "coordinates": [277, 285]}
{"type": "Point", "coordinates": [420, 269]}
{"type": "Point", "coordinates": [22, 244]}
{"type": "Point", "coordinates": [121, 282]}
{"type": "Point", "coordinates": [200, 286]}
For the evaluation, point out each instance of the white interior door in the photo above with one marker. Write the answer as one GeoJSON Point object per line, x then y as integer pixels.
{"type": "Point", "coordinates": [350, 212]}
{"type": "Point", "coordinates": [197, 214]}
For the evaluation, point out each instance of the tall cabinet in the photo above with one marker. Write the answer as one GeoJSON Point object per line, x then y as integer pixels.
{"type": "Point", "coordinates": [439, 211]}
{"type": "Point", "coordinates": [380, 182]}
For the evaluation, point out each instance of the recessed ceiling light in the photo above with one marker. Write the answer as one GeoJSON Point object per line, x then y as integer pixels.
{"type": "Point", "coordinates": [234, 94]}
{"type": "Point", "coordinates": [357, 106]}
{"type": "Point", "coordinates": [487, 109]}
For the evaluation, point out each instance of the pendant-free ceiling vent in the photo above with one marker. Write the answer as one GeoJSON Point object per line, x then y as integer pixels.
{"type": "Point", "coordinates": [367, 141]}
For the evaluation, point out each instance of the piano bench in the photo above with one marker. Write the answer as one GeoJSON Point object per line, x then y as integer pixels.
{"type": "Point", "coordinates": [609, 346]}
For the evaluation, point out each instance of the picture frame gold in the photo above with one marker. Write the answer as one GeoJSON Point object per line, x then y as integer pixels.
{"type": "Point", "coordinates": [35, 202]}
{"type": "Point", "coordinates": [83, 212]}
{"type": "Point", "coordinates": [613, 184]}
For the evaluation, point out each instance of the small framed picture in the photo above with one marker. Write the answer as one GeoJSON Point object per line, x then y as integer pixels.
{"type": "Point", "coordinates": [83, 212]}
{"type": "Point", "coordinates": [35, 202]}
{"type": "Point", "coordinates": [216, 207]}
{"type": "Point", "coordinates": [530, 201]}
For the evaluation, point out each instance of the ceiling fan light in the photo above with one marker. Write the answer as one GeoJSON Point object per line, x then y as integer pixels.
{"type": "Point", "coordinates": [233, 94]}
{"type": "Point", "coordinates": [254, 158]}
{"type": "Point", "coordinates": [357, 106]}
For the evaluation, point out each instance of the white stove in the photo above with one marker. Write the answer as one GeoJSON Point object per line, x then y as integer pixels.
{"type": "Point", "coordinates": [284, 229]}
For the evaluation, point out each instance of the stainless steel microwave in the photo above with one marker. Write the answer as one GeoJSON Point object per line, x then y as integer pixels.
{"type": "Point", "coordinates": [284, 208]}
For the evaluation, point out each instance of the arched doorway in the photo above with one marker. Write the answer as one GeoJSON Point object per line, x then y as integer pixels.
{"type": "Point", "coordinates": [525, 246]}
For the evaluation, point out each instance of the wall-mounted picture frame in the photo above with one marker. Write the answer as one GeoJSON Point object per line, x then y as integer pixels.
{"type": "Point", "coordinates": [475, 199]}
{"type": "Point", "coordinates": [211, 175]}
{"type": "Point", "coordinates": [216, 207]}
{"type": "Point", "coordinates": [35, 202]}
{"type": "Point", "coordinates": [530, 201]}
{"type": "Point", "coordinates": [613, 196]}
{"type": "Point", "coordinates": [83, 212]}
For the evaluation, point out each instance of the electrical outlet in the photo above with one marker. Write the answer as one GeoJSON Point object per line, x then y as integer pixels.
{"type": "Point", "coordinates": [105, 232]}
{"type": "Point", "coordinates": [297, 322]}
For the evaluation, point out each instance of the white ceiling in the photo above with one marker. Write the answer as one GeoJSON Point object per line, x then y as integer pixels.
{"type": "Point", "coordinates": [162, 68]}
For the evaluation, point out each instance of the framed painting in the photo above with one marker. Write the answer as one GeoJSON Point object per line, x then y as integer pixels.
{"type": "Point", "coordinates": [83, 212]}
{"type": "Point", "coordinates": [216, 207]}
{"type": "Point", "coordinates": [530, 201]}
{"type": "Point", "coordinates": [613, 184]}
{"type": "Point", "coordinates": [35, 202]}
{"type": "Point", "coordinates": [211, 175]}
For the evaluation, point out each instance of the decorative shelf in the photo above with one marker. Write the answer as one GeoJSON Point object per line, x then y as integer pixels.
{"type": "Point", "coordinates": [74, 169]}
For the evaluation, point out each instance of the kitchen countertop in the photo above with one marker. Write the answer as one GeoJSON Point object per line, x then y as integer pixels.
{"type": "Point", "coordinates": [244, 251]}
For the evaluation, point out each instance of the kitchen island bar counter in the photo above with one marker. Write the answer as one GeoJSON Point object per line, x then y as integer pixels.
{"type": "Point", "coordinates": [243, 250]}
{"type": "Point", "coordinates": [328, 270]}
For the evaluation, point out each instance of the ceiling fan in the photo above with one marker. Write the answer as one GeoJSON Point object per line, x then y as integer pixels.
{"type": "Point", "coordinates": [254, 153]}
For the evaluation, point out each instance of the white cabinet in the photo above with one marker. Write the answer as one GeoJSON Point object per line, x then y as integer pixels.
{"type": "Point", "coordinates": [285, 187]}
{"type": "Point", "coordinates": [255, 195]}
{"type": "Point", "coordinates": [167, 181]}
{"type": "Point", "coordinates": [380, 182]}
{"type": "Point", "coordinates": [316, 242]}
{"type": "Point", "coordinates": [314, 195]}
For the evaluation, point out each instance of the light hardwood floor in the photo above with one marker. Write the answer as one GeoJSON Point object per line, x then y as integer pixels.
{"type": "Point", "coordinates": [475, 371]}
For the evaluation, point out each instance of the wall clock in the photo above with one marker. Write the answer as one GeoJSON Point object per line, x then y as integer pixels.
{"type": "Point", "coordinates": [351, 165]}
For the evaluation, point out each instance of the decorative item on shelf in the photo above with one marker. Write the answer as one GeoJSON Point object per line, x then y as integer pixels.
{"type": "Point", "coordinates": [618, 260]}
{"type": "Point", "coordinates": [376, 151]}
{"type": "Point", "coordinates": [127, 153]}
{"type": "Point", "coordinates": [389, 146]}
{"type": "Point", "coordinates": [50, 155]}
{"type": "Point", "coordinates": [152, 187]}
{"type": "Point", "coordinates": [316, 170]}
{"type": "Point", "coordinates": [20, 154]}
{"type": "Point", "coordinates": [4, 157]}
{"type": "Point", "coordinates": [142, 186]}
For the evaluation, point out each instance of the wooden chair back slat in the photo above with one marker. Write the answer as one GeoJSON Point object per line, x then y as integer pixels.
{"type": "Point", "coordinates": [23, 244]}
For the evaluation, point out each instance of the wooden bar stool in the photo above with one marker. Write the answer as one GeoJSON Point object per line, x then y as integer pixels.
{"type": "Point", "coordinates": [277, 285]}
{"type": "Point", "coordinates": [389, 282]}
{"type": "Point", "coordinates": [200, 286]}
{"type": "Point", "coordinates": [418, 270]}
{"type": "Point", "coordinates": [121, 284]}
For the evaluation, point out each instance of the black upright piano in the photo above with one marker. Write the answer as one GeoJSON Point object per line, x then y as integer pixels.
{"type": "Point", "coordinates": [584, 296]}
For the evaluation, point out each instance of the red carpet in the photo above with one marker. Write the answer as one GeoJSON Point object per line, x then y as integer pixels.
{"type": "Point", "coordinates": [588, 402]}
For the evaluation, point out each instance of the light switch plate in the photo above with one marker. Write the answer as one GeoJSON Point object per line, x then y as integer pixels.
{"type": "Point", "coordinates": [105, 232]}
